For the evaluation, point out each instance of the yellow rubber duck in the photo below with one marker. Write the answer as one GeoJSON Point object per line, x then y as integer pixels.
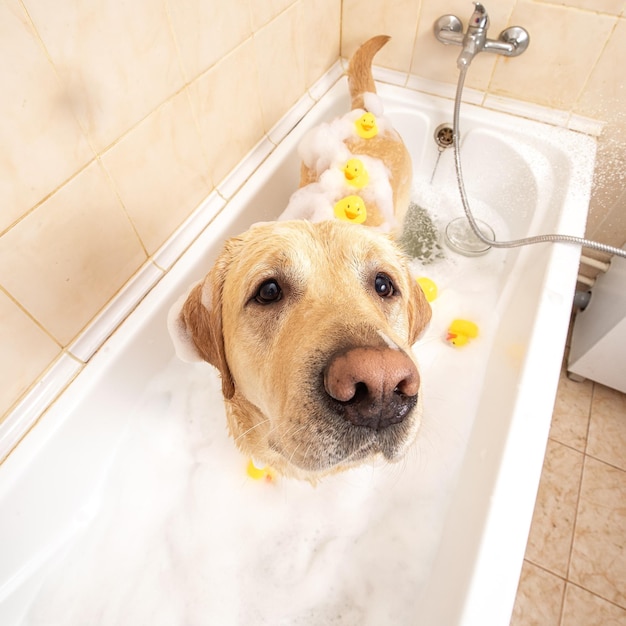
{"type": "Point", "coordinates": [355, 173]}
{"type": "Point", "coordinates": [260, 473]}
{"type": "Point", "coordinates": [428, 287]}
{"type": "Point", "coordinates": [351, 209]}
{"type": "Point", "coordinates": [460, 332]}
{"type": "Point", "coordinates": [366, 126]}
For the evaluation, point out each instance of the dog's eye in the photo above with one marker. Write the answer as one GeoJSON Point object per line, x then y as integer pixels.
{"type": "Point", "coordinates": [269, 292]}
{"type": "Point", "coordinates": [384, 286]}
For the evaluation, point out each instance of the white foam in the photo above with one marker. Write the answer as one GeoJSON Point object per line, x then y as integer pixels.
{"type": "Point", "coordinates": [323, 150]}
{"type": "Point", "coordinates": [182, 535]}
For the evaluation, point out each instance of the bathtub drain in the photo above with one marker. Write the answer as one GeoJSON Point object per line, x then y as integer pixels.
{"type": "Point", "coordinates": [444, 136]}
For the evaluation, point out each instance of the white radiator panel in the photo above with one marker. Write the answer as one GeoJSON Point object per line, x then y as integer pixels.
{"type": "Point", "coordinates": [598, 349]}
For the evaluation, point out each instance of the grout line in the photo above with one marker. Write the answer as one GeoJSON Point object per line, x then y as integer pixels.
{"type": "Point", "coordinates": [185, 88]}
{"type": "Point", "coordinates": [564, 444]}
{"type": "Point", "coordinates": [596, 595]}
{"type": "Point", "coordinates": [589, 416]}
{"type": "Point", "coordinates": [113, 186]}
{"type": "Point", "coordinates": [545, 569]}
{"type": "Point", "coordinates": [179, 56]}
{"type": "Point", "coordinates": [28, 212]}
{"type": "Point", "coordinates": [495, 66]}
{"type": "Point", "coordinates": [341, 8]}
{"type": "Point", "coordinates": [33, 319]}
{"type": "Point", "coordinates": [604, 462]}
{"type": "Point", "coordinates": [574, 106]}
{"type": "Point", "coordinates": [561, 5]}
{"type": "Point", "coordinates": [573, 536]}
{"type": "Point", "coordinates": [414, 43]}
{"type": "Point", "coordinates": [580, 482]}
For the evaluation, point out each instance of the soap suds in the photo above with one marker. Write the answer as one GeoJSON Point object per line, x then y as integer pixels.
{"type": "Point", "coordinates": [324, 152]}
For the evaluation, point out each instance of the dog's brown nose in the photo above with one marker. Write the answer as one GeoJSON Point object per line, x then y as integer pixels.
{"type": "Point", "coordinates": [376, 387]}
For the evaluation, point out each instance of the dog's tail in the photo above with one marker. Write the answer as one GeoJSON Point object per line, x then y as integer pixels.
{"type": "Point", "coordinates": [360, 79]}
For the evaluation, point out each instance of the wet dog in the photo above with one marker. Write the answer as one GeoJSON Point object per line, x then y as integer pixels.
{"type": "Point", "coordinates": [310, 325]}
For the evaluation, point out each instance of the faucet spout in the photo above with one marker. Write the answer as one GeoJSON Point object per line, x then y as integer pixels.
{"type": "Point", "coordinates": [479, 19]}
{"type": "Point", "coordinates": [475, 37]}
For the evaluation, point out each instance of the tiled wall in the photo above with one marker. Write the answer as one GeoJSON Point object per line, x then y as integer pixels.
{"type": "Point", "coordinates": [118, 118]}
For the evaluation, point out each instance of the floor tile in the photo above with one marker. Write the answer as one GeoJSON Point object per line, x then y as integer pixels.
{"type": "Point", "coordinates": [552, 529]}
{"type": "Point", "coordinates": [598, 561]}
{"type": "Point", "coordinates": [582, 608]}
{"type": "Point", "coordinates": [570, 418]}
{"type": "Point", "coordinates": [539, 598]}
{"type": "Point", "coordinates": [607, 427]}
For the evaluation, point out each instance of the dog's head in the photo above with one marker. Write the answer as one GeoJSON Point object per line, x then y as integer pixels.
{"type": "Point", "coordinates": [311, 327]}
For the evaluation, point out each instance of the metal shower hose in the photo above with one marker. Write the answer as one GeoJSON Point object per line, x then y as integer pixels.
{"type": "Point", "coordinates": [585, 243]}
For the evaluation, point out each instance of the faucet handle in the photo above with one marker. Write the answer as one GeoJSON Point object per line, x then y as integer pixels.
{"type": "Point", "coordinates": [479, 18]}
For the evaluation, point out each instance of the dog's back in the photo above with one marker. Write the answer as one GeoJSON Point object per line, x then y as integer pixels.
{"type": "Point", "coordinates": [330, 146]}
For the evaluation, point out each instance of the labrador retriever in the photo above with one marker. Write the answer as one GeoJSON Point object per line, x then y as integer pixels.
{"type": "Point", "coordinates": [310, 325]}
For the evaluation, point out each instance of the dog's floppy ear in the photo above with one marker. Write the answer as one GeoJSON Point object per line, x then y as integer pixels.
{"type": "Point", "coordinates": [419, 310]}
{"type": "Point", "coordinates": [195, 325]}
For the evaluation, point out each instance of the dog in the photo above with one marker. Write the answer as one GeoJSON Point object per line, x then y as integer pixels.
{"type": "Point", "coordinates": [310, 324]}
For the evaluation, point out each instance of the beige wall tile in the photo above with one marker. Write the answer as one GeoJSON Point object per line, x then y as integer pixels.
{"type": "Point", "coordinates": [66, 259]}
{"type": "Point", "coordinates": [25, 351]}
{"type": "Point", "coordinates": [606, 221]}
{"type": "Point", "coordinates": [570, 418]}
{"type": "Point", "coordinates": [279, 58]}
{"type": "Point", "coordinates": [606, 210]}
{"type": "Point", "coordinates": [205, 31]}
{"type": "Point", "coordinates": [159, 171]}
{"type": "Point", "coordinates": [116, 60]}
{"type": "Point", "coordinates": [396, 18]}
{"type": "Point", "coordinates": [611, 220]}
{"type": "Point", "coordinates": [263, 12]}
{"type": "Point", "coordinates": [604, 95]}
{"type": "Point", "coordinates": [598, 561]}
{"type": "Point", "coordinates": [436, 61]}
{"type": "Point", "coordinates": [607, 430]}
{"type": "Point", "coordinates": [583, 608]}
{"type": "Point", "coordinates": [225, 101]}
{"type": "Point", "coordinates": [612, 7]}
{"type": "Point", "coordinates": [319, 35]}
{"type": "Point", "coordinates": [552, 527]}
{"type": "Point", "coordinates": [555, 67]}
{"type": "Point", "coordinates": [539, 598]}
{"type": "Point", "coordinates": [42, 144]}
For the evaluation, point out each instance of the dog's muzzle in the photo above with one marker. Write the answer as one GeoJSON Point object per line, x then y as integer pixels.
{"type": "Point", "coordinates": [373, 387]}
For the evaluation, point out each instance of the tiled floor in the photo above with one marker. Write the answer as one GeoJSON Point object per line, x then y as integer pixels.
{"type": "Point", "coordinates": [574, 573]}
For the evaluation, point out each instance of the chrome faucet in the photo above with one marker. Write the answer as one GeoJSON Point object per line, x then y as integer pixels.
{"type": "Point", "coordinates": [449, 30]}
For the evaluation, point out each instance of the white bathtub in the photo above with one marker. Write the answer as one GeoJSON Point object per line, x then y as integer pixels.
{"type": "Point", "coordinates": [115, 506]}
